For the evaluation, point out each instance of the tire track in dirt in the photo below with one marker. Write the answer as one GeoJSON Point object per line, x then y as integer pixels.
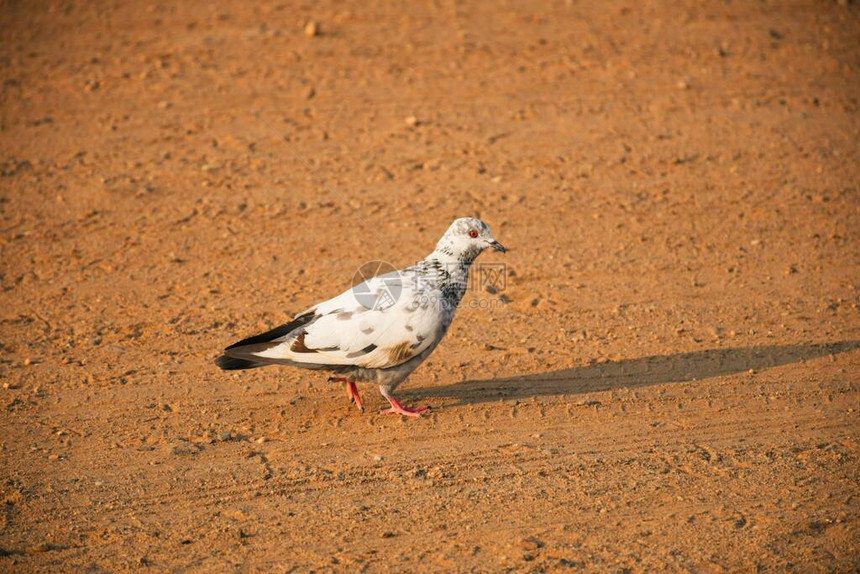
{"type": "Point", "coordinates": [625, 445]}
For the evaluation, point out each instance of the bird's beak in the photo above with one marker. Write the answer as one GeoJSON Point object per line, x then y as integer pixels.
{"type": "Point", "coordinates": [498, 246]}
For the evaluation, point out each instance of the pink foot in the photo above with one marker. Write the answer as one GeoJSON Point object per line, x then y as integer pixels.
{"type": "Point", "coordinates": [397, 409]}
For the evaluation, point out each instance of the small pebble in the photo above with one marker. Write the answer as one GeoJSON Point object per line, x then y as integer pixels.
{"type": "Point", "coordinates": [185, 448]}
{"type": "Point", "coordinates": [311, 29]}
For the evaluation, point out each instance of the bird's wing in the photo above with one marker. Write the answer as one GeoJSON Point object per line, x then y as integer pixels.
{"type": "Point", "coordinates": [378, 324]}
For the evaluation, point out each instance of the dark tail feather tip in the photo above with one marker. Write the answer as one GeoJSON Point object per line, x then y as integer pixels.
{"type": "Point", "coordinates": [233, 364]}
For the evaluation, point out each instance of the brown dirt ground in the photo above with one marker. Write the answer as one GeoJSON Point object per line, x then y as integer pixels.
{"type": "Point", "coordinates": [672, 384]}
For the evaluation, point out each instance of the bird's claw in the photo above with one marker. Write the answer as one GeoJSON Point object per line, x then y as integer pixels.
{"type": "Point", "coordinates": [406, 411]}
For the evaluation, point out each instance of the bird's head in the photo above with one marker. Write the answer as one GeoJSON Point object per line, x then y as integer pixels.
{"type": "Point", "coordinates": [467, 238]}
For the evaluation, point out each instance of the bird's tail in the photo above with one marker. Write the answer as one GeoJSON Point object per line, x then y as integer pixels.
{"type": "Point", "coordinates": [233, 364]}
{"type": "Point", "coordinates": [241, 355]}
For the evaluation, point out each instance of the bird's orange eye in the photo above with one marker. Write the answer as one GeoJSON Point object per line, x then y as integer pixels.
{"type": "Point", "coordinates": [473, 234]}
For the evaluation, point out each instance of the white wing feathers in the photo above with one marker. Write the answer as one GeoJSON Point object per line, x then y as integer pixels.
{"type": "Point", "coordinates": [378, 324]}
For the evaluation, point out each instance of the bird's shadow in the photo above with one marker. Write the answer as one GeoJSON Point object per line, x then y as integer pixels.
{"type": "Point", "coordinates": [633, 373]}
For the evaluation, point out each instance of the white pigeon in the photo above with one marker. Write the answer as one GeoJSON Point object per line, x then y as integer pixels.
{"type": "Point", "coordinates": [380, 330]}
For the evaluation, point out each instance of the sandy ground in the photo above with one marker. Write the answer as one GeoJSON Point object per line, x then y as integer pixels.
{"type": "Point", "coordinates": [667, 380]}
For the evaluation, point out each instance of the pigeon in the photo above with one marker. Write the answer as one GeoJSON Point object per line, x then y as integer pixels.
{"type": "Point", "coordinates": [380, 330]}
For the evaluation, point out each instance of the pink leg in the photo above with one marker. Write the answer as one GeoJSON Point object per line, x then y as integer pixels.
{"type": "Point", "coordinates": [397, 408]}
{"type": "Point", "coordinates": [351, 391]}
